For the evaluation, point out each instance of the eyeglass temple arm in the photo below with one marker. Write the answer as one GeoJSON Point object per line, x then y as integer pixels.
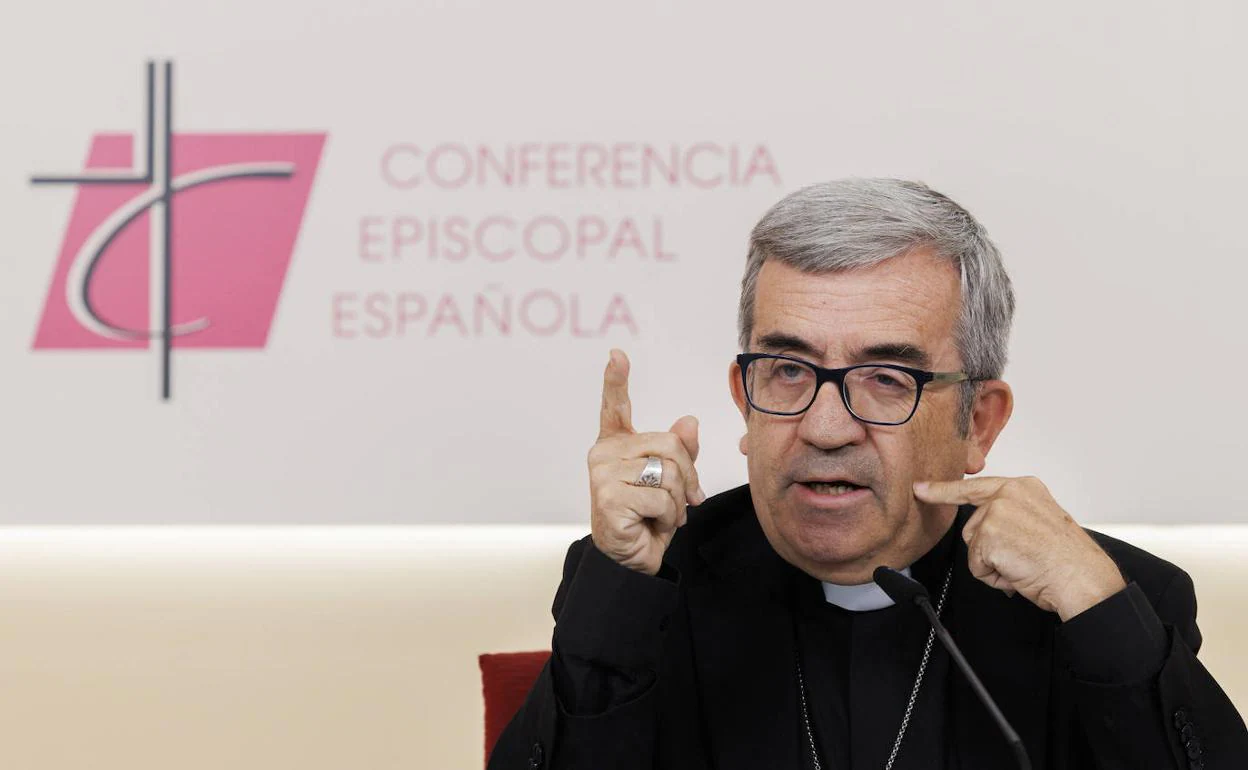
{"type": "Point", "coordinates": [950, 376]}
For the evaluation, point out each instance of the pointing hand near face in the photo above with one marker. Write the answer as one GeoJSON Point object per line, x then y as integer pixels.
{"type": "Point", "coordinates": [1020, 540]}
{"type": "Point", "coordinates": [634, 524]}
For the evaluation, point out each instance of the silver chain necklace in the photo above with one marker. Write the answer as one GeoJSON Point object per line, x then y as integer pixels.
{"type": "Point", "coordinates": [914, 692]}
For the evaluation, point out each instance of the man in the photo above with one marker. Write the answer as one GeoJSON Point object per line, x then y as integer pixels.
{"type": "Point", "coordinates": [744, 631]}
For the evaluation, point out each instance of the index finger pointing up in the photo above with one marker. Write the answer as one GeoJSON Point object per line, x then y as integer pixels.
{"type": "Point", "coordinates": [617, 410]}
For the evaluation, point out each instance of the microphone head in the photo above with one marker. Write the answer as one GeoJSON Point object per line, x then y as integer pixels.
{"type": "Point", "coordinates": [901, 589]}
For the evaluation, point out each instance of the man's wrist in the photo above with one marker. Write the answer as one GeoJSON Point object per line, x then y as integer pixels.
{"type": "Point", "coordinates": [1084, 597]}
{"type": "Point", "coordinates": [1088, 589]}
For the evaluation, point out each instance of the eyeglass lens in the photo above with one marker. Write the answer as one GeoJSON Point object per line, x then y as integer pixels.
{"type": "Point", "coordinates": [875, 393]}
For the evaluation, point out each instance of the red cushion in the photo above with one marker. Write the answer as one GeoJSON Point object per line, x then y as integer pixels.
{"type": "Point", "coordinates": [506, 678]}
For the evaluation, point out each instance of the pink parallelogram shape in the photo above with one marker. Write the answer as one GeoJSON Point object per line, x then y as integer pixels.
{"type": "Point", "coordinates": [232, 241]}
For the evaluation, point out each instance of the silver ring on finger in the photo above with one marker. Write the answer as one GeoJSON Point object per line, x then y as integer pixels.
{"type": "Point", "coordinates": [652, 474]}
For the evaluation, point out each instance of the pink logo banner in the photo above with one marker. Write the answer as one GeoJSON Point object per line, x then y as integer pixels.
{"type": "Point", "coordinates": [188, 251]}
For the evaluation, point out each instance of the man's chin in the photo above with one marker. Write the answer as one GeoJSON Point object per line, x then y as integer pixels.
{"type": "Point", "coordinates": [834, 549]}
{"type": "Point", "coordinates": [835, 560]}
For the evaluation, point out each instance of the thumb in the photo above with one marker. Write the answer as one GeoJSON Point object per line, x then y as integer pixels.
{"type": "Point", "coordinates": [686, 429]}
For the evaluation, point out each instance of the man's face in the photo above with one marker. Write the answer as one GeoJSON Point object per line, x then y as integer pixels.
{"type": "Point", "coordinates": [835, 320]}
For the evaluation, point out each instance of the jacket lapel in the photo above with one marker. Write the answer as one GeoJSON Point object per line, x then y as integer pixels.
{"type": "Point", "coordinates": [1009, 643]}
{"type": "Point", "coordinates": [744, 651]}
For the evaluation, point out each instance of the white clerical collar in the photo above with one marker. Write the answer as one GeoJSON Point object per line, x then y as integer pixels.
{"type": "Point", "coordinates": [860, 598]}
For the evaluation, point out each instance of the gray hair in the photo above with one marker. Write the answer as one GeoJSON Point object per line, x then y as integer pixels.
{"type": "Point", "coordinates": [856, 223]}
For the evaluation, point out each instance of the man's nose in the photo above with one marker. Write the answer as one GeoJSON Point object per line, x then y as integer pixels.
{"type": "Point", "coordinates": [827, 423]}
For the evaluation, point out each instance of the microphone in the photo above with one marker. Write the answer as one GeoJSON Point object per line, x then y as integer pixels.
{"type": "Point", "coordinates": [903, 590]}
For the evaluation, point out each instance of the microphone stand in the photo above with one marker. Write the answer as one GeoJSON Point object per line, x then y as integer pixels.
{"type": "Point", "coordinates": [1011, 737]}
{"type": "Point", "coordinates": [902, 589]}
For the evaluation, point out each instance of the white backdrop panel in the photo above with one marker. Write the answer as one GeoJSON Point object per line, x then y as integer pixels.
{"type": "Point", "coordinates": [1100, 144]}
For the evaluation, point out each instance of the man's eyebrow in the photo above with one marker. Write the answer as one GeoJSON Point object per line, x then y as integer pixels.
{"type": "Point", "coordinates": [775, 341]}
{"type": "Point", "coordinates": [895, 351]}
{"type": "Point", "coordinates": [901, 352]}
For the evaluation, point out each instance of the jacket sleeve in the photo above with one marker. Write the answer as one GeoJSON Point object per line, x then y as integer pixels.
{"type": "Point", "coordinates": [595, 703]}
{"type": "Point", "coordinates": [1143, 699]}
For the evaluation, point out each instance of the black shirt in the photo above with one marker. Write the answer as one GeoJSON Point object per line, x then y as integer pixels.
{"type": "Point", "coordinates": [859, 670]}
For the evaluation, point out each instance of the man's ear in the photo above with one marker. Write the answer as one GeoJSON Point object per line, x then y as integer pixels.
{"type": "Point", "coordinates": [994, 403]}
{"type": "Point", "coordinates": [738, 392]}
{"type": "Point", "coordinates": [743, 406]}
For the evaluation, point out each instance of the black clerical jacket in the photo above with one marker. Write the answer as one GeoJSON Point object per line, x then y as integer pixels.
{"type": "Point", "coordinates": [694, 668]}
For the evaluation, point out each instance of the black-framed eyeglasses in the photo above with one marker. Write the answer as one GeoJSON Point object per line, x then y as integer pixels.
{"type": "Point", "coordinates": [880, 394]}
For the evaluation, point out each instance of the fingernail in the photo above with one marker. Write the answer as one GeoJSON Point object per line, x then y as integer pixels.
{"type": "Point", "coordinates": [920, 487]}
{"type": "Point", "coordinates": [701, 496]}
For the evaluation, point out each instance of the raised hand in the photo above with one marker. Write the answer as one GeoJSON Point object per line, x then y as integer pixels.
{"type": "Point", "coordinates": [634, 524]}
{"type": "Point", "coordinates": [1019, 539]}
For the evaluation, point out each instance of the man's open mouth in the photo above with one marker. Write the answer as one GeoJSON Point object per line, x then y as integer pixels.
{"type": "Point", "coordinates": [831, 487]}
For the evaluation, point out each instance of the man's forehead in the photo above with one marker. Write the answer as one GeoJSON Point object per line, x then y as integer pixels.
{"type": "Point", "coordinates": [904, 309]}
{"type": "Point", "coordinates": [918, 276]}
